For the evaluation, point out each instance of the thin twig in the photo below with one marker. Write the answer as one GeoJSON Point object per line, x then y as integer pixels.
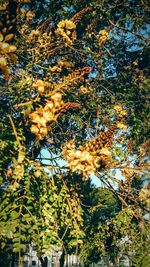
{"type": "Point", "coordinates": [127, 30]}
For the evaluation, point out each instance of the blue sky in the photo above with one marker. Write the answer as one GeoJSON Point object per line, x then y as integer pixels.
{"type": "Point", "coordinates": [47, 160]}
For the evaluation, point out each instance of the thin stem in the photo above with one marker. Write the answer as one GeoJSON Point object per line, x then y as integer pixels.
{"type": "Point", "coordinates": [15, 132]}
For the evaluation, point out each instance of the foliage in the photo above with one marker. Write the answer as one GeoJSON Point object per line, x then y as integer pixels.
{"type": "Point", "coordinates": [74, 83]}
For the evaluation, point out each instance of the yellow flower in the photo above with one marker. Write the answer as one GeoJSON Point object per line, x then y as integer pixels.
{"type": "Point", "coordinates": [38, 83]}
{"type": "Point", "coordinates": [34, 129]}
{"type": "Point", "coordinates": [118, 108]}
{"type": "Point", "coordinates": [43, 131]}
{"type": "Point", "coordinates": [104, 33]}
{"type": "Point", "coordinates": [66, 28]}
{"type": "Point", "coordinates": [57, 100]}
{"type": "Point", "coordinates": [48, 115]}
{"type": "Point", "coordinates": [30, 15]}
{"type": "Point", "coordinates": [61, 24]}
{"type": "Point", "coordinates": [35, 32]}
{"type": "Point", "coordinates": [7, 50]}
{"type": "Point", "coordinates": [55, 68]}
{"type": "Point", "coordinates": [68, 32]}
{"type": "Point", "coordinates": [86, 155]}
{"type": "Point", "coordinates": [41, 89]}
{"type": "Point", "coordinates": [49, 105]}
{"type": "Point", "coordinates": [122, 126]}
{"type": "Point", "coordinates": [39, 137]}
{"type": "Point", "coordinates": [103, 36]}
{"type": "Point", "coordinates": [70, 145]}
{"type": "Point", "coordinates": [144, 196]}
{"type": "Point", "coordinates": [124, 113]}
{"type": "Point", "coordinates": [37, 119]}
{"type": "Point", "coordinates": [56, 97]}
{"type": "Point", "coordinates": [105, 151]}
{"type": "Point", "coordinates": [78, 153]}
{"type": "Point", "coordinates": [83, 90]}
{"type": "Point", "coordinates": [68, 24]}
{"type": "Point", "coordinates": [60, 31]}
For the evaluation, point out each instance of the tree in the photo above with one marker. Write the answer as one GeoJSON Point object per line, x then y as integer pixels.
{"type": "Point", "coordinates": [102, 207]}
{"type": "Point", "coordinates": [74, 82]}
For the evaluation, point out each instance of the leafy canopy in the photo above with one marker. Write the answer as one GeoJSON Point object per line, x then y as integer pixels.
{"type": "Point", "coordinates": [74, 83]}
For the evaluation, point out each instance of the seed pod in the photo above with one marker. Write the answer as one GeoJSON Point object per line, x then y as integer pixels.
{"type": "Point", "coordinates": [4, 47]}
{"type": "Point", "coordinates": [3, 61]}
{"type": "Point", "coordinates": [4, 30]}
{"type": "Point", "coordinates": [9, 37]}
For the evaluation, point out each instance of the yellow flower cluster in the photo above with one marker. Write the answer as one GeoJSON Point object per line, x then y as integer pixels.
{"type": "Point", "coordinates": [120, 111]}
{"type": "Point", "coordinates": [42, 116]}
{"type": "Point", "coordinates": [144, 196]}
{"type": "Point", "coordinates": [31, 37]}
{"type": "Point", "coordinates": [79, 160]}
{"type": "Point", "coordinates": [103, 36]}
{"type": "Point", "coordinates": [83, 160]}
{"type": "Point", "coordinates": [66, 29]}
{"type": "Point", "coordinates": [83, 90]}
{"type": "Point", "coordinates": [40, 85]}
{"type": "Point", "coordinates": [6, 52]}
{"type": "Point", "coordinates": [121, 114]}
{"type": "Point", "coordinates": [28, 15]}
{"type": "Point", "coordinates": [122, 126]}
{"type": "Point", "coordinates": [95, 154]}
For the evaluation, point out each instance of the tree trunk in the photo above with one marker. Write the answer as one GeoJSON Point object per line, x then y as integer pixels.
{"type": "Point", "coordinates": [62, 259]}
{"type": "Point", "coordinates": [13, 260]}
{"type": "Point", "coordinates": [44, 261]}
